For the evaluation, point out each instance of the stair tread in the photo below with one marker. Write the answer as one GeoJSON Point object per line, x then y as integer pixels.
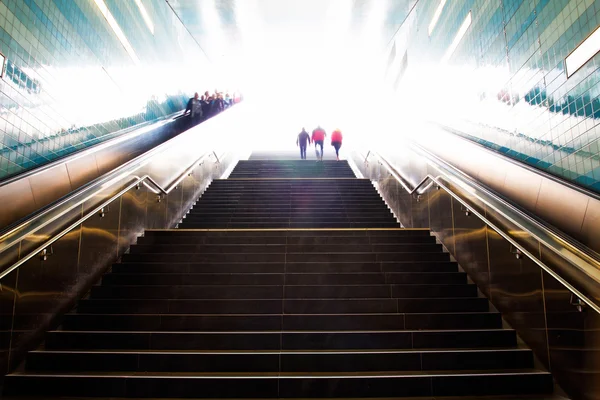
{"type": "Point", "coordinates": [250, 332]}
{"type": "Point", "coordinates": [306, 351]}
{"type": "Point", "coordinates": [271, 375]}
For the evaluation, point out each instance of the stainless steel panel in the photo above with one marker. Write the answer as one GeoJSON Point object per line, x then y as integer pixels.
{"type": "Point", "coordinates": [8, 294]}
{"type": "Point", "coordinates": [574, 342]}
{"type": "Point", "coordinates": [50, 181]}
{"type": "Point", "coordinates": [564, 212]}
{"type": "Point", "coordinates": [591, 222]}
{"type": "Point", "coordinates": [530, 300]}
{"type": "Point", "coordinates": [44, 290]}
{"type": "Point", "coordinates": [471, 252]}
{"type": "Point", "coordinates": [174, 206]}
{"type": "Point", "coordinates": [419, 210]}
{"type": "Point", "coordinates": [111, 158]}
{"type": "Point", "coordinates": [560, 205]}
{"type": "Point", "coordinates": [441, 218]}
{"type": "Point", "coordinates": [190, 192]}
{"type": "Point", "coordinates": [521, 185]}
{"type": "Point", "coordinates": [516, 290]}
{"type": "Point", "coordinates": [51, 185]}
{"type": "Point", "coordinates": [17, 201]}
{"type": "Point", "coordinates": [99, 244]}
{"type": "Point", "coordinates": [389, 189]}
{"type": "Point", "coordinates": [133, 217]}
{"type": "Point", "coordinates": [156, 212]}
{"type": "Point", "coordinates": [31, 242]}
{"type": "Point", "coordinates": [82, 170]}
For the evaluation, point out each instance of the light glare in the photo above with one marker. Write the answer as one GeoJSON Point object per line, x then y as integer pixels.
{"type": "Point", "coordinates": [117, 30]}
{"type": "Point", "coordinates": [583, 53]}
{"type": "Point", "coordinates": [461, 33]}
{"type": "Point", "coordinates": [145, 15]}
{"type": "Point", "coordinates": [436, 16]}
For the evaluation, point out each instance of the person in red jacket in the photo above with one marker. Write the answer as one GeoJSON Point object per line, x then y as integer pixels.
{"type": "Point", "coordinates": [318, 137]}
{"type": "Point", "coordinates": [336, 142]}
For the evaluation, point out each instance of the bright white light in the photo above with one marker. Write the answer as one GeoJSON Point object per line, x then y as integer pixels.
{"type": "Point", "coordinates": [461, 33]}
{"type": "Point", "coordinates": [117, 30]}
{"type": "Point", "coordinates": [436, 16]}
{"type": "Point", "coordinates": [145, 15]}
{"type": "Point", "coordinates": [582, 53]}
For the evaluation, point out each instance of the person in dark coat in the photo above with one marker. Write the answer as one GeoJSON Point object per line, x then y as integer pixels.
{"type": "Point", "coordinates": [303, 141]}
{"type": "Point", "coordinates": [194, 107]}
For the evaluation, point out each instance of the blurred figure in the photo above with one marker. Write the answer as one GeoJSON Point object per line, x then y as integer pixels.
{"type": "Point", "coordinates": [318, 137]}
{"type": "Point", "coordinates": [205, 105]}
{"type": "Point", "coordinates": [219, 103]}
{"type": "Point", "coordinates": [336, 142]}
{"type": "Point", "coordinates": [303, 141]}
{"type": "Point", "coordinates": [194, 107]}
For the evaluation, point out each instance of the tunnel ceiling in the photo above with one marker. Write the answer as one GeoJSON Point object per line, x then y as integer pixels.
{"type": "Point", "coordinates": [225, 27]}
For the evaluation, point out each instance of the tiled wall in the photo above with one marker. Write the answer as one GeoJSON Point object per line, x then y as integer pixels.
{"type": "Point", "coordinates": [505, 85]}
{"type": "Point", "coordinates": [68, 81]}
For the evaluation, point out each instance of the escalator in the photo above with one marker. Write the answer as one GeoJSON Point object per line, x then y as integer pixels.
{"type": "Point", "coordinates": [301, 285]}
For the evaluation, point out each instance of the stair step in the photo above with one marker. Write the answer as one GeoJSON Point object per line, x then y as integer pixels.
{"type": "Point", "coordinates": [165, 279]}
{"type": "Point", "coordinates": [156, 340]}
{"type": "Point", "coordinates": [280, 267]}
{"type": "Point", "coordinates": [287, 225]}
{"type": "Point", "coordinates": [346, 306]}
{"type": "Point", "coordinates": [396, 232]}
{"type": "Point", "coordinates": [281, 257]}
{"type": "Point", "coordinates": [286, 361]}
{"type": "Point", "coordinates": [242, 240]}
{"type": "Point", "coordinates": [277, 291]}
{"type": "Point", "coordinates": [211, 322]}
{"type": "Point", "coordinates": [305, 249]}
{"type": "Point", "coordinates": [392, 384]}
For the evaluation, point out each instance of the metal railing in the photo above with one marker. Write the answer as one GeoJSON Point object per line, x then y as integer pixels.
{"type": "Point", "coordinates": [586, 261]}
{"type": "Point", "coordinates": [145, 180]}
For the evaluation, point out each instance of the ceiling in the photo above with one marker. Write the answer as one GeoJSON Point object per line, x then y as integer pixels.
{"type": "Point", "coordinates": [226, 29]}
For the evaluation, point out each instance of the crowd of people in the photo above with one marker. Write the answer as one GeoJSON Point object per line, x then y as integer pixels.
{"type": "Point", "coordinates": [200, 108]}
{"type": "Point", "coordinates": [318, 138]}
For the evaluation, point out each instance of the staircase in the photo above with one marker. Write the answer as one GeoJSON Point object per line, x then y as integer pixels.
{"type": "Point", "coordinates": [296, 201]}
{"type": "Point", "coordinates": [257, 308]}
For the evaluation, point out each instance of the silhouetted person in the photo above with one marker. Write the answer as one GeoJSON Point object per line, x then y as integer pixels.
{"type": "Point", "coordinates": [205, 105]}
{"type": "Point", "coordinates": [336, 142]}
{"type": "Point", "coordinates": [195, 109]}
{"type": "Point", "coordinates": [303, 141]}
{"type": "Point", "coordinates": [318, 137]}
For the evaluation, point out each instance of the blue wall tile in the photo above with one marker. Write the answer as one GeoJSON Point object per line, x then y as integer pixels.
{"type": "Point", "coordinates": [66, 69]}
{"type": "Point", "coordinates": [521, 102]}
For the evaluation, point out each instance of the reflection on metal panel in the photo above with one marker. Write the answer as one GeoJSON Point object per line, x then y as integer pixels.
{"type": "Point", "coordinates": [550, 319]}
{"type": "Point", "coordinates": [567, 208]}
{"type": "Point", "coordinates": [49, 281]}
{"type": "Point", "coordinates": [46, 185]}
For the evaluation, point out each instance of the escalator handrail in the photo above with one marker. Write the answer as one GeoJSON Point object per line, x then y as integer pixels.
{"type": "Point", "coordinates": [6, 241]}
{"type": "Point", "coordinates": [5, 234]}
{"type": "Point", "coordinates": [584, 260]}
{"type": "Point", "coordinates": [146, 179]}
{"type": "Point", "coordinates": [117, 137]}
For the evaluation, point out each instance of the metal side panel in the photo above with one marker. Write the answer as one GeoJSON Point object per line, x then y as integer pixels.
{"type": "Point", "coordinates": [562, 330]}
{"type": "Point", "coordinates": [42, 186]}
{"type": "Point", "coordinates": [571, 210]}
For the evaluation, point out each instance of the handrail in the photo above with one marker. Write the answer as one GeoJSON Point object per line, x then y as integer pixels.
{"type": "Point", "coordinates": [437, 181]}
{"type": "Point", "coordinates": [137, 181]}
{"type": "Point", "coordinates": [100, 180]}
{"type": "Point", "coordinates": [117, 137]}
